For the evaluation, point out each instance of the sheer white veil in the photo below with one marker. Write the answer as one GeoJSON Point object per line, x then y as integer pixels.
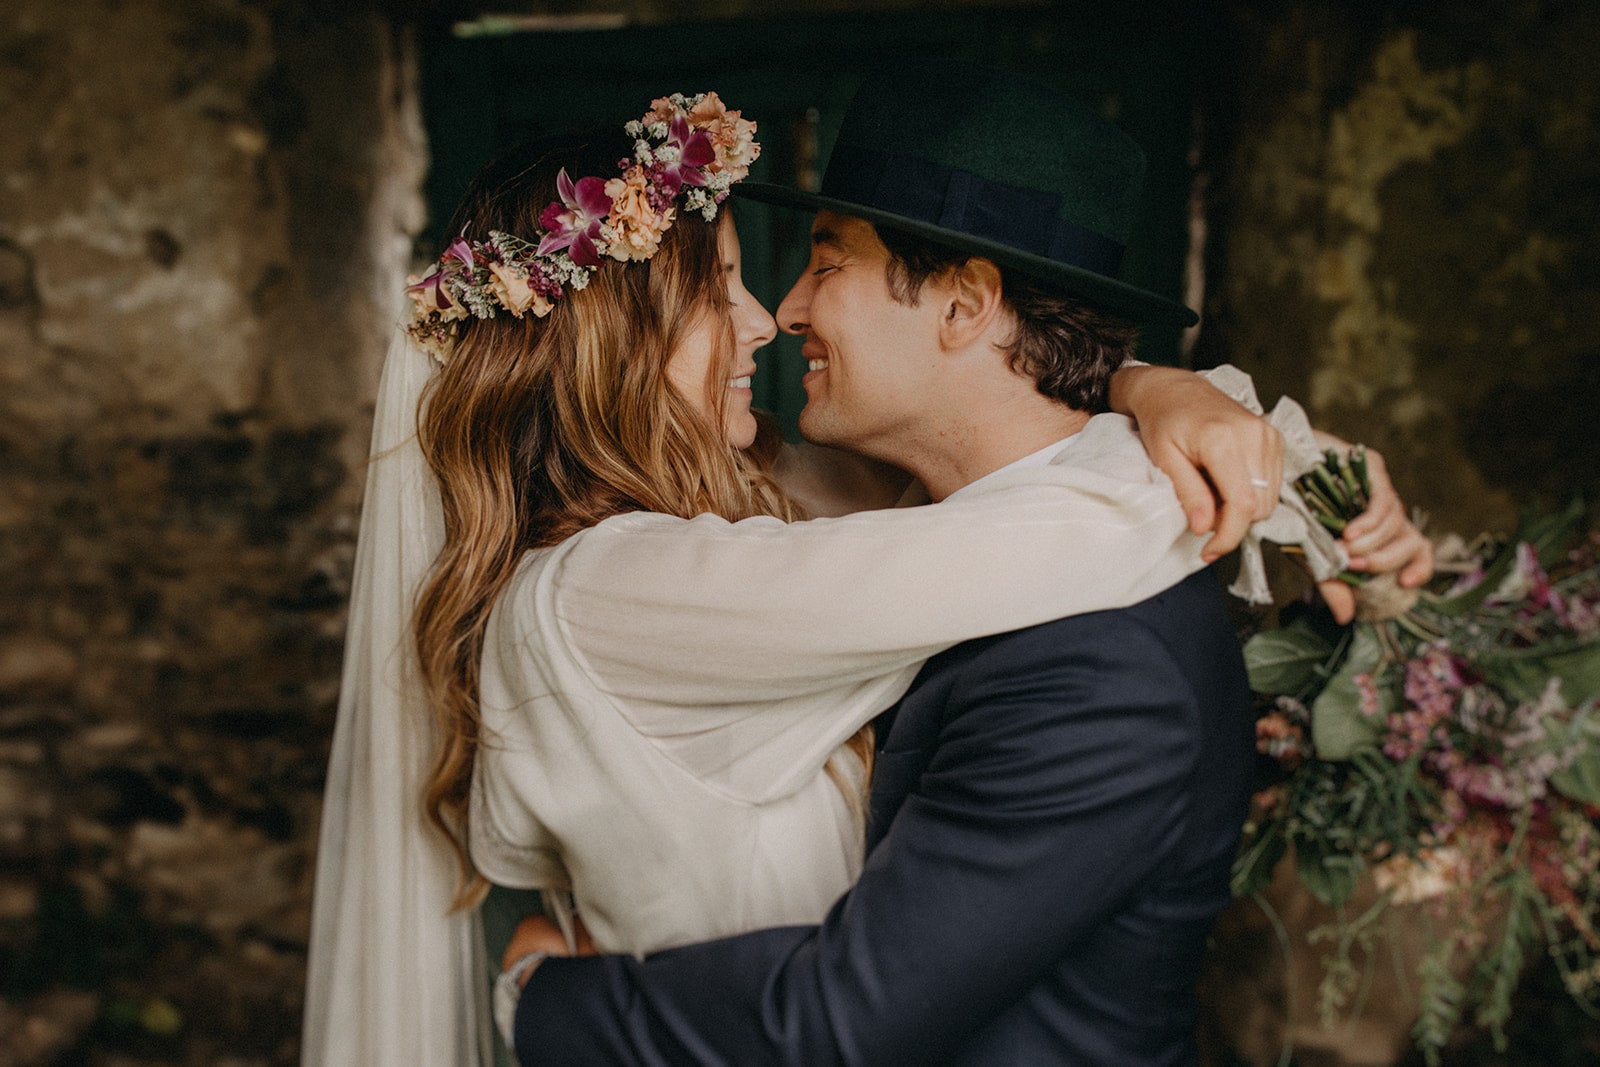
{"type": "Point", "coordinates": [393, 976]}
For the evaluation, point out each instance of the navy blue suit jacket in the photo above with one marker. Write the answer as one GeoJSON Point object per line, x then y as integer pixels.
{"type": "Point", "coordinates": [1054, 815]}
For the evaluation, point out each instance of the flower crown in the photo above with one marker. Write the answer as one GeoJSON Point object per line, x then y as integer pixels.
{"type": "Point", "coordinates": [693, 146]}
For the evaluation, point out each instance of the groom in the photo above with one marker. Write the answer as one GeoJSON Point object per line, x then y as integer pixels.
{"type": "Point", "coordinates": [1054, 811]}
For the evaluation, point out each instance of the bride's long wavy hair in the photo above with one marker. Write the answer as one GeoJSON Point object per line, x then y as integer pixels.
{"type": "Point", "coordinates": [539, 428]}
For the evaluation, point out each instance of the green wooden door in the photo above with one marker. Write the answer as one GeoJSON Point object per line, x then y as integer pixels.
{"type": "Point", "coordinates": [482, 94]}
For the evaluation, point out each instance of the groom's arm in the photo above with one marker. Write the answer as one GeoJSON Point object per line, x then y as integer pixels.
{"type": "Point", "coordinates": [1059, 779]}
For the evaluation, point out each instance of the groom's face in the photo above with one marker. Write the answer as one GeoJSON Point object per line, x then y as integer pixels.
{"type": "Point", "coordinates": [873, 362]}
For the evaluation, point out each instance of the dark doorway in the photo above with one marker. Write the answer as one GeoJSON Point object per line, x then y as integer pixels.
{"type": "Point", "coordinates": [794, 75]}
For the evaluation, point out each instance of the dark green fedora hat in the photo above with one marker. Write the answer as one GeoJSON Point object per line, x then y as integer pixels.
{"type": "Point", "coordinates": [989, 164]}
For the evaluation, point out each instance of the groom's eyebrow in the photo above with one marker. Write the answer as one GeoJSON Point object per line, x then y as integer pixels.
{"type": "Point", "coordinates": [824, 236]}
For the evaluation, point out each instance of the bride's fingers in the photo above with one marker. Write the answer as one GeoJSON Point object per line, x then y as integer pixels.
{"type": "Point", "coordinates": [1383, 521]}
{"type": "Point", "coordinates": [1194, 492]}
{"type": "Point", "coordinates": [534, 934]}
{"type": "Point", "coordinates": [1420, 569]}
{"type": "Point", "coordinates": [1340, 598]}
{"type": "Point", "coordinates": [1383, 509]}
{"type": "Point", "coordinates": [1232, 524]}
{"type": "Point", "coordinates": [1270, 471]}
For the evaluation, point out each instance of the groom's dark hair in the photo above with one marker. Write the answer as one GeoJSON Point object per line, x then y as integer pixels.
{"type": "Point", "coordinates": [1069, 347]}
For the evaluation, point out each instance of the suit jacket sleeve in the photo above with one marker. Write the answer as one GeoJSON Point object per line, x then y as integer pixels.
{"type": "Point", "coordinates": [1058, 781]}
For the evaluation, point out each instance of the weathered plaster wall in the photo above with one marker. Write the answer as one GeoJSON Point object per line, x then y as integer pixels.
{"type": "Point", "coordinates": [1408, 238]}
{"type": "Point", "coordinates": [206, 207]}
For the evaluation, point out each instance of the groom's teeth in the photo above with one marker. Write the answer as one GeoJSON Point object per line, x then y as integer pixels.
{"type": "Point", "coordinates": [817, 364]}
{"type": "Point", "coordinates": [740, 383]}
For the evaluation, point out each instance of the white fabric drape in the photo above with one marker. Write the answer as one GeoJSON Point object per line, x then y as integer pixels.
{"type": "Point", "coordinates": [392, 978]}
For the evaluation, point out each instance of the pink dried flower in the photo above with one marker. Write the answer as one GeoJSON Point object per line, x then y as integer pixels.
{"type": "Point", "coordinates": [1281, 739]}
{"type": "Point", "coordinates": [1367, 687]}
{"type": "Point", "coordinates": [574, 221]}
{"type": "Point", "coordinates": [1528, 582]}
{"type": "Point", "coordinates": [1579, 616]}
{"type": "Point", "coordinates": [693, 151]}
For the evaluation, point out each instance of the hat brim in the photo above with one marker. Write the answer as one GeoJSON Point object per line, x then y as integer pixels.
{"type": "Point", "coordinates": [1139, 305]}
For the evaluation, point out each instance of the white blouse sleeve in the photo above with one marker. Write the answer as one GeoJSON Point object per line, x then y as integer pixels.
{"type": "Point", "coordinates": [682, 614]}
{"type": "Point", "coordinates": [747, 652]}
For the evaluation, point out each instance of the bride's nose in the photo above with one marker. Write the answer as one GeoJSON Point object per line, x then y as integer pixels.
{"type": "Point", "coordinates": [756, 325]}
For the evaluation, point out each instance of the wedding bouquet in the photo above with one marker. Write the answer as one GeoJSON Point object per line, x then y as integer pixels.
{"type": "Point", "coordinates": [1451, 753]}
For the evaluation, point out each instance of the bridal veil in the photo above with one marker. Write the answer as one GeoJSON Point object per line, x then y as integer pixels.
{"type": "Point", "coordinates": [394, 976]}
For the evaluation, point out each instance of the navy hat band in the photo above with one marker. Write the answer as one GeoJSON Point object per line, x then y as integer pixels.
{"type": "Point", "coordinates": [953, 199]}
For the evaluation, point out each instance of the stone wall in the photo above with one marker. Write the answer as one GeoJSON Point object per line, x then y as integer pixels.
{"type": "Point", "coordinates": [207, 206]}
{"type": "Point", "coordinates": [1406, 215]}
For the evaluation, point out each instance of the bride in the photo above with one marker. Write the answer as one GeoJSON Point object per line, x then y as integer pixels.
{"type": "Point", "coordinates": [590, 651]}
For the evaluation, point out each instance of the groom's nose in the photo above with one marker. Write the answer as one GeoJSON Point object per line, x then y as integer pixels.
{"type": "Point", "coordinates": [794, 311]}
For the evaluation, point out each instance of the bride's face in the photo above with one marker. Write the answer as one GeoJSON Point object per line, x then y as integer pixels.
{"type": "Point", "coordinates": [727, 385]}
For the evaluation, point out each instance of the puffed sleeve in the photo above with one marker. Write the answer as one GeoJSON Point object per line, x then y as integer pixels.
{"type": "Point", "coordinates": [703, 612]}
{"type": "Point", "coordinates": [750, 650]}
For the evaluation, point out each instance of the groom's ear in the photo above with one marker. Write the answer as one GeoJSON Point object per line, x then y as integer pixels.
{"type": "Point", "coordinates": [970, 303]}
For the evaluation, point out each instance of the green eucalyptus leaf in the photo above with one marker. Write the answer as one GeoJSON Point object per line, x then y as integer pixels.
{"type": "Point", "coordinates": [1580, 781]}
{"type": "Point", "coordinates": [1257, 859]}
{"type": "Point", "coordinates": [1547, 534]}
{"type": "Point", "coordinates": [1521, 679]}
{"type": "Point", "coordinates": [1579, 671]}
{"type": "Point", "coordinates": [1471, 600]}
{"type": "Point", "coordinates": [1286, 661]}
{"type": "Point", "coordinates": [1550, 534]}
{"type": "Point", "coordinates": [1330, 876]}
{"type": "Point", "coordinates": [1522, 675]}
{"type": "Point", "coordinates": [1339, 728]}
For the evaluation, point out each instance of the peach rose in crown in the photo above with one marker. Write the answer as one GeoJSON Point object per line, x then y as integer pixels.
{"type": "Point", "coordinates": [436, 339]}
{"type": "Point", "coordinates": [635, 228]}
{"type": "Point", "coordinates": [732, 137]}
{"type": "Point", "coordinates": [661, 110]}
{"type": "Point", "coordinates": [432, 296]}
{"type": "Point", "coordinates": [511, 288]}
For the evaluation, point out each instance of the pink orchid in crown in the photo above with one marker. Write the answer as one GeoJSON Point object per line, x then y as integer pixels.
{"type": "Point", "coordinates": [460, 250]}
{"type": "Point", "coordinates": [430, 295]}
{"type": "Point", "coordinates": [574, 223]}
{"type": "Point", "coordinates": [695, 152]}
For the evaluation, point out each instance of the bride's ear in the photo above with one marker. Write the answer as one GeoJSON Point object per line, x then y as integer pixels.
{"type": "Point", "coordinates": [970, 303]}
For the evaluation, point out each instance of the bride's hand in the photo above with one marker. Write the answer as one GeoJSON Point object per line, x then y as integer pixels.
{"type": "Point", "coordinates": [1226, 463]}
{"type": "Point", "coordinates": [1381, 540]}
{"type": "Point", "coordinates": [538, 934]}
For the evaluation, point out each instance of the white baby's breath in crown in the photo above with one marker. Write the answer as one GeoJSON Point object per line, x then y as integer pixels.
{"type": "Point", "coordinates": [687, 150]}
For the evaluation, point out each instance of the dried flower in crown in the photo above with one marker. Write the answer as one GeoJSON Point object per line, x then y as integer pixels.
{"type": "Point", "coordinates": [687, 152]}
